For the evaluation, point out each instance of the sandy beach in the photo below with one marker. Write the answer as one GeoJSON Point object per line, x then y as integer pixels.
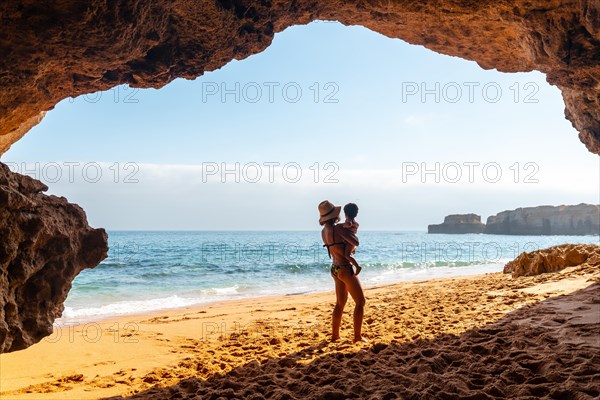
{"type": "Point", "coordinates": [481, 336]}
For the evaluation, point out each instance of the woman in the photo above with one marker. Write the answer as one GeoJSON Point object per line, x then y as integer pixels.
{"type": "Point", "coordinates": [335, 238]}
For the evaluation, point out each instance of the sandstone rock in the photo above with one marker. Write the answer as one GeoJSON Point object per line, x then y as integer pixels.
{"type": "Point", "coordinates": [45, 242]}
{"type": "Point", "coordinates": [459, 223]}
{"type": "Point", "coordinates": [55, 49]}
{"type": "Point", "coordinates": [582, 219]}
{"type": "Point", "coordinates": [553, 259]}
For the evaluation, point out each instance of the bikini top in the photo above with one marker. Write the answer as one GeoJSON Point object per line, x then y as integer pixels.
{"type": "Point", "coordinates": [332, 244]}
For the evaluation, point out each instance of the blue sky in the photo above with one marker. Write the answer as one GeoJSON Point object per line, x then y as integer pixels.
{"type": "Point", "coordinates": [344, 97]}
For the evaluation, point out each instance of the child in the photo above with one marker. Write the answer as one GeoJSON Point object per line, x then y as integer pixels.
{"type": "Point", "coordinates": [351, 211]}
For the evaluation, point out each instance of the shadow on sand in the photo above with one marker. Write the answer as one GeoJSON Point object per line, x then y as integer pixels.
{"type": "Point", "coordinates": [548, 350]}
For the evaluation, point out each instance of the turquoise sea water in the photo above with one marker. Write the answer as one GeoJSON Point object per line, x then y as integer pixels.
{"type": "Point", "coordinates": [148, 271]}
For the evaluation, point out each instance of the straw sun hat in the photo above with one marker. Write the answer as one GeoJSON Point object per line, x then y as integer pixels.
{"type": "Point", "coordinates": [328, 211]}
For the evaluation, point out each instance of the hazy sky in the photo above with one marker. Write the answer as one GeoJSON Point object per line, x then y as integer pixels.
{"type": "Point", "coordinates": [326, 112]}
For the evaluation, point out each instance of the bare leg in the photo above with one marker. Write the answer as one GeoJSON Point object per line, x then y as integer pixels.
{"type": "Point", "coordinates": [353, 286]}
{"type": "Point", "coordinates": [341, 295]}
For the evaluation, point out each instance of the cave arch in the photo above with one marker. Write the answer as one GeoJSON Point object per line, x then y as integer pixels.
{"type": "Point", "coordinates": [53, 51]}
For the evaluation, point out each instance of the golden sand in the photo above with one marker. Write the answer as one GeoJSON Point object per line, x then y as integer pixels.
{"type": "Point", "coordinates": [481, 336]}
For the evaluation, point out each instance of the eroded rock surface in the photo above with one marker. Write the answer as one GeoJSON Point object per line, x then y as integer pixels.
{"type": "Point", "coordinates": [458, 223]}
{"type": "Point", "coordinates": [45, 241]}
{"type": "Point", "coordinates": [53, 50]}
{"type": "Point", "coordinates": [581, 219]}
{"type": "Point", "coordinates": [553, 259]}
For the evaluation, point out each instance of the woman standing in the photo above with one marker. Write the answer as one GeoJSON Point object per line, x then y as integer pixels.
{"type": "Point", "coordinates": [335, 238]}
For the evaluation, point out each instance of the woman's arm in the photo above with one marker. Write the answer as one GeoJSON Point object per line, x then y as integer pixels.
{"type": "Point", "coordinates": [347, 235]}
{"type": "Point", "coordinates": [352, 241]}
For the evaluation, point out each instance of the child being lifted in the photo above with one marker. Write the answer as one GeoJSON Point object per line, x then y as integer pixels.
{"type": "Point", "coordinates": [351, 211]}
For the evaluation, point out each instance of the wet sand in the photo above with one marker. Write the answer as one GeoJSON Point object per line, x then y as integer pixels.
{"type": "Point", "coordinates": [479, 337]}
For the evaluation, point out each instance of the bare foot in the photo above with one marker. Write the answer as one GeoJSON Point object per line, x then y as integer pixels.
{"type": "Point", "coordinates": [361, 339]}
{"type": "Point", "coordinates": [335, 338]}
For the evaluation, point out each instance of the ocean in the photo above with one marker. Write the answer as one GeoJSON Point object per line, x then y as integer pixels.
{"type": "Point", "coordinates": [148, 271]}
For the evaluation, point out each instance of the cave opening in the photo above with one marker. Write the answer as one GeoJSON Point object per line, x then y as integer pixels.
{"type": "Point", "coordinates": [332, 103]}
{"type": "Point", "coordinates": [326, 111]}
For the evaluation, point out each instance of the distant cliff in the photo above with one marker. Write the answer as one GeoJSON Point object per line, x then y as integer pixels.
{"type": "Point", "coordinates": [459, 223]}
{"type": "Point", "coordinates": [582, 219]}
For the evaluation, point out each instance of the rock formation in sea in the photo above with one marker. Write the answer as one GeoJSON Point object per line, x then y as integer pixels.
{"type": "Point", "coordinates": [459, 223]}
{"type": "Point", "coordinates": [55, 49]}
{"type": "Point", "coordinates": [553, 259]}
{"type": "Point", "coordinates": [581, 219]}
{"type": "Point", "coordinates": [45, 241]}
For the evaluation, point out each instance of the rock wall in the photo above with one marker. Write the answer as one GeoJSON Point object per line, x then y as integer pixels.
{"type": "Point", "coordinates": [45, 242]}
{"type": "Point", "coordinates": [582, 219]}
{"type": "Point", "coordinates": [459, 223]}
{"type": "Point", "coordinates": [554, 259]}
{"type": "Point", "coordinates": [55, 49]}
